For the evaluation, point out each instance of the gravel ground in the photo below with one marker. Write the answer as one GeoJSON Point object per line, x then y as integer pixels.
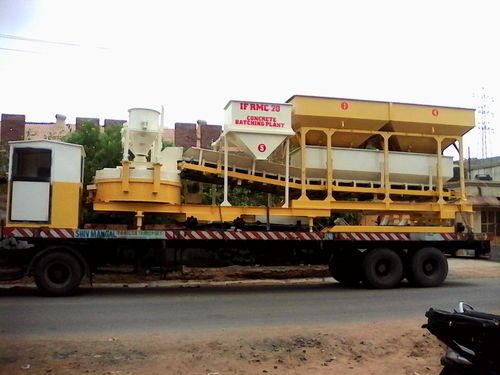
{"type": "Point", "coordinates": [378, 348]}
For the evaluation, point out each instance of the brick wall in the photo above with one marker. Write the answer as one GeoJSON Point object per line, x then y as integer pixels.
{"type": "Point", "coordinates": [81, 120]}
{"type": "Point", "coordinates": [109, 122]}
{"type": "Point", "coordinates": [208, 134]}
{"type": "Point", "coordinates": [185, 135]}
{"type": "Point", "coordinates": [48, 130]}
{"type": "Point", "coordinates": [193, 135]}
{"type": "Point", "coordinates": [12, 128]}
{"type": "Point", "coordinates": [169, 135]}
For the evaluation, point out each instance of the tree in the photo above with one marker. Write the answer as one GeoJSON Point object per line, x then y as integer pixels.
{"type": "Point", "coordinates": [102, 149]}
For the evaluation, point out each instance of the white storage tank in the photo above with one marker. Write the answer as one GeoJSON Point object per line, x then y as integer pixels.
{"type": "Point", "coordinates": [143, 127]}
{"type": "Point", "coordinates": [367, 165]}
{"type": "Point", "coordinates": [257, 128]}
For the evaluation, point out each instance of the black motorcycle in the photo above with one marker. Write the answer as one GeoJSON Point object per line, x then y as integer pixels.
{"type": "Point", "coordinates": [473, 339]}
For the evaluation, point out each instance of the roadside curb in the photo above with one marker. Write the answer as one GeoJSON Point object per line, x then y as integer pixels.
{"type": "Point", "coordinates": [189, 284]}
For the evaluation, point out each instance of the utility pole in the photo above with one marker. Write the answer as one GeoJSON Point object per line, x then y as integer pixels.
{"type": "Point", "coordinates": [484, 117]}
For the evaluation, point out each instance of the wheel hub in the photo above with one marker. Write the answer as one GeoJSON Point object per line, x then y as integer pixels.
{"type": "Point", "coordinates": [429, 267]}
{"type": "Point", "coordinates": [58, 273]}
{"type": "Point", "coordinates": [382, 268]}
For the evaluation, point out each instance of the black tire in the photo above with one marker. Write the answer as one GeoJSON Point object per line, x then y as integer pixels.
{"type": "Point", "coordinates": [382, 268]}
{"type": "Point", "coordinates": [477, 253]}
{"type": "Point", "coordinates": [58, 274]}
{"type": "Point", "coordinates": [458, 370]}
{"type": "Point", "coordinates": [345, 267]}
{"type": "Point", "coordinates": [428, 267]}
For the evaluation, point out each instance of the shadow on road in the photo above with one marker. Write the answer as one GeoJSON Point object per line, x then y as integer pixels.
{"type": "Point", "coordinates": [332, 286]}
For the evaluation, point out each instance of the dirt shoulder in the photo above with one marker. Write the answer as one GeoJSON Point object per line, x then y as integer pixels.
{"type": "Point", "coordinates": [400, 347]}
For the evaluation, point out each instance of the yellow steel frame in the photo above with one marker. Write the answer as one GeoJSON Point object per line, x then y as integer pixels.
{"type": "Point", "coordinates": [230, 213]}
{"type": "Point", "coordinates": [386, 189]}
{"type": "Point", "coordinates": [444, 211]}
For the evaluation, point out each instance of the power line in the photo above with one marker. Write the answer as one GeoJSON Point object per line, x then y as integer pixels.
{"type": "Point", "coordinates": [19, 50]}
{"type": "Point", "coordinates": [15, 37]}
{"type": "Point", "coordinates": [45, 41]}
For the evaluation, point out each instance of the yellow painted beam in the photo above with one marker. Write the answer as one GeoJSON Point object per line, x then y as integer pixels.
{"type": "Point", "coordinates": [387, 229]}
{"type": "Point", "coordinates": [246, 177]}
{"type": "Point", "coordinates": [125, 175]}
{"type": "Point", "coordinates": [156, 178]}
{"type": "Point", "coordinates": [206, 212]}
{"type": "Point", "coordinates": [379, 206]}
{"type": "Point", "coordinates": [357, 189]}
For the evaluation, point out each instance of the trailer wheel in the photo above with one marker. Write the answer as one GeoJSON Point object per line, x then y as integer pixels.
{"type": "Point", "coordinates": [382, 268]}
{"type": "Point", "coordinates": [345, 267]}
{"type": "Point", "coordinates": [58, 274]}
{"type": "Point", "coordinates": [428, 267]}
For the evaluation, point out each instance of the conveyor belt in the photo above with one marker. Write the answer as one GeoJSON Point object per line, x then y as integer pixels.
{"type": "Point", "coordinates": [265, 172]}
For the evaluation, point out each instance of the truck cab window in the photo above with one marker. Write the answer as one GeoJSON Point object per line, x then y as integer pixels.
{"type": "Point", "coordinates": [31, 164]}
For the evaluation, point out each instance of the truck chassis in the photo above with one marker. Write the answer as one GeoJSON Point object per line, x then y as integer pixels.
{"type": "Point", "coordinates": [58, 259]}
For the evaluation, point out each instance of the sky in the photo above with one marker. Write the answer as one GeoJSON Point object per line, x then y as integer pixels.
{"type": "Point", "coordinates": [99, 58]}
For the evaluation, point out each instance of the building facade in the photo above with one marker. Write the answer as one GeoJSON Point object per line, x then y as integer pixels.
{"type": "Point", "coordinates": [483, 191]}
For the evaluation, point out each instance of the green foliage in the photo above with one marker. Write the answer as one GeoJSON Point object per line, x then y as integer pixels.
{"type": "Point", "coordinates": [352, 218]}
{"type": "Point", "coordinates": [4, 161]}
{"type": "Point", "coordinates": [239, 196]}
{"type": "Point", "coordinates": [102, 149]}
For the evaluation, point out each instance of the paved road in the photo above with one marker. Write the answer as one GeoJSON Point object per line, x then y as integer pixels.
{"type": "Point", "coordinates": [123, 311]}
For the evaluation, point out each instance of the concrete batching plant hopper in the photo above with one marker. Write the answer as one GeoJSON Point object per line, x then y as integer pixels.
{"type": "Point", "coordinates": [257, 128]}
{"type": "Point", "coordinates": [332, 113]}
{"type": "Point", "coordinates": [358, 120]}
{"type": "Point", "coordinates": [392, 148]}
{"type": "Point", "coordinates": [430, 120]}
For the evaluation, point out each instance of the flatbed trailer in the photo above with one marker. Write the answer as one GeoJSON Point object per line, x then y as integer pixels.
{"type": "Point", "coordinates": [59, 258]}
